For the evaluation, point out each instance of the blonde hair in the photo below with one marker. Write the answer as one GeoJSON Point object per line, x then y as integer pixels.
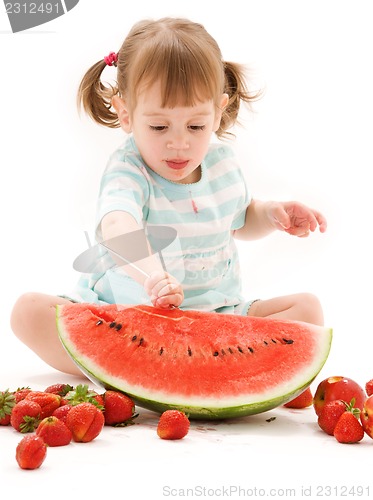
{"type": "Point", "coordinates": [183, 57]}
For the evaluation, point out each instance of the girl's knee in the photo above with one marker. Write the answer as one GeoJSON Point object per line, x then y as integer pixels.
{"type": "Point", "coordinates": [22, 312]}
{"type": "Point", "coordinates": [300, 307]}
{"type": "Point", "coordinates": [33, 321]}
{"type": "Point", "coordinates": [27, 314]}
{"type": "Point", "coordinates": [310, 309]}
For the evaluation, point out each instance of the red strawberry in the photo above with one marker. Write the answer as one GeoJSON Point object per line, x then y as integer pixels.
{"type": "Point", "coordinates": [25, 416]}
{"type": "Point", "coordinates": [330, 415]}
{"type": "Point", "coordinates": [48, 401]}
{"type": "Point", "coordinates": [82, 394]}
{"type": "Point", "coordinates": [21, 393]}
{"type": "Point", "coordinates": [5, 420]}
{"type": "Point", "coordinates": [62, 412]}
{"type": "Point", "coordinates": [7, 402]}
{"type": "Point", "coordinates": [173, 424]}
{"type": "Point", "coordinates": [119, 408]}
{"type": "Point", "coordinates": [59, 389]}
{"type": "Point", "coordinates": [348, 429]}
{"type": "Point", "coordinates": [85, 421]}
{"type": "Point", "coordinates": [54, 432]}
{"type": "Point", "coordinates": [369, 387]}
{"type": "Point", "coordinates": [304, 400]}
{"type": "Point", "coordinates": [31, 452]}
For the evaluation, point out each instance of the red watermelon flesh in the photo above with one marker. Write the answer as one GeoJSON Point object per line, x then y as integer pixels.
{"type": "Point", "coordinates": [207, 364]}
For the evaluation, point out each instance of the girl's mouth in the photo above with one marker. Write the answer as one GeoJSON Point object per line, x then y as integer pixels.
{"type": "Point", "coordinates": [177, 164]}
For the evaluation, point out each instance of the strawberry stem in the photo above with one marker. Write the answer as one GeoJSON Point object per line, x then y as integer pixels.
{"type": "Point", "coordinates": [7, 401]}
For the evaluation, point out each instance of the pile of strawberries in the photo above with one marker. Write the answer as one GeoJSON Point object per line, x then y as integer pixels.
{"type": "Point", "coordinates": [343, 408]}
{"type": "Point", "coordinates": [61, 414]}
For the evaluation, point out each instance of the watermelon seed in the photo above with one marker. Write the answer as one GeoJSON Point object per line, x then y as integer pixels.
{"type": "Point", "coordinates": [161, 351]}
{"type": "Point", "coordinates": [189, 351]}
{"type": "Point", "coordinates": [251, 349]}
{"type": "Point", "coordinates": [288, 341]}
{"type": "Point", "coordinates": [230, 350]}
{"type": "Point", "coordinates": [112, 324]}
{"type": "Point", "coordinates": [266, 343]}
{"type": "Point", "coordinates": [216, 353]}
{"type": "Point", "coordinates": [222, 351]}
{"type": "Point", "coordinates": [99, 322]}
{"type": "Point", "coordinates": [141, 341]}
{"type": "Point", "coordinates": [134, 338]}
{"type": "Point", "coordinates": [239, 348]}
{"type": "Point", "coordinates": [274, 341]}
{"type": "Point", "coordinates": [118, 327]}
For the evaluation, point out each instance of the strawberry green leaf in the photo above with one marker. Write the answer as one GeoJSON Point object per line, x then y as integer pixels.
{"type": "Point", "coordinates": [7, 401]}
{"type": "Point", "coordinates": [29, 424]}
{"type": "Point", "coordinates": [82, 394]}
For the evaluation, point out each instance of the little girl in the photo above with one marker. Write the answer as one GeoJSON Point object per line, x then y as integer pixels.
{"type": "Point", "coordinates": [173, 92]}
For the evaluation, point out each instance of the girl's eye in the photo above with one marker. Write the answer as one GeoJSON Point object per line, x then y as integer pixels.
{"type": "Point", "coordinates": [162, 128]}
{"type": "Point", "coordinates": [157, 128]}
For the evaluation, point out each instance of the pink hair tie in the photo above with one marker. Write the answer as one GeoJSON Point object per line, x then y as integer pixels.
{"type": "Point", "coordinates": [111, 59]}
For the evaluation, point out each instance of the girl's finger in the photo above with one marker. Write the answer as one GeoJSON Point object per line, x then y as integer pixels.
{"type": "Point", "coordinates": [168, 289]}
{"type": "Point", "coordinates": [154, 280]}
{"type": "Point", "coordinates": [168, 300]}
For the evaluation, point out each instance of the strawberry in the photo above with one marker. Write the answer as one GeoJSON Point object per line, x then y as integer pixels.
{"type": "Point", "coordinates": [369, 387]}
{"type": "Point", "coordinates": [330, 414]}
{"type": "Point", "coordinates": [304, 400]}
{"type": "Point", "coordinates": [82, 394]}
{"type": "Point", "coordinates": [59, 389]}
{"type": "Point", "coordinates": [21, 393]}
{"type": "Point", "coordinates": [31, 452]}
{"type": "Point", "coordinates": [173, 424]}
{"type": "Point", "coordinates": [48, 401]}
{"type": "Point", "coordinates": [348, 429]}
{"type": "Point", "coordinates": [5, 420]}
{"type": "Point", "coordinates": [7, 402]}
{"type": "Point", "coordinates": [25, 416]}
{"type": "Point", "coordinates": [54, 432]}
{"type": "Point", "coordinates": [61, 412]}
{"type": "Point", "coordinates": [119, 408]}
{"type": "Point", "coordinates": [85, 421]}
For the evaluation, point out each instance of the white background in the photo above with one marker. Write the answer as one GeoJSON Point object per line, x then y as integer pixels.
{"type": "Point", "coordinates": [310, 139]}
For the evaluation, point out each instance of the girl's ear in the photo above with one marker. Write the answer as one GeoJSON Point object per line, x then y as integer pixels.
{"type": "Point", "coordinates": [123, 115]}
{"type": "Point", "coordinates": [219, 111]}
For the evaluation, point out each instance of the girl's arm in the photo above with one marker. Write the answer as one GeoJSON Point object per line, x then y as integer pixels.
{"type": "Point", "coordinates": [264, 217]}
{"type": "Point", "coordinates": [164, 290]}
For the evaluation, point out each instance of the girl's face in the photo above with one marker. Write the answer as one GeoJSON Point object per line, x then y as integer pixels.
{"type": "Point", "coordinates": [171, 141]}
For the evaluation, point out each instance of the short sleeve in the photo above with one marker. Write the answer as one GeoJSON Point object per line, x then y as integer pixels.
{"type": "Point", "coordinates": [236, 179]}
{"type": "Point", "coordinates": [243, 202]}
{"type": "Point", "coordinates": [124, 186]}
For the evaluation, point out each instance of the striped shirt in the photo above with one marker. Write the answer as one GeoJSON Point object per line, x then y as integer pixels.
{"type": "Point", "coordinates": [203, 257]}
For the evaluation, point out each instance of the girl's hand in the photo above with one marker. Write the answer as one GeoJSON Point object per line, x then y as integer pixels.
{"type": "Point", "coordinates": [296, 218]}
{"type": "Point", "coordinates": [164, 290]}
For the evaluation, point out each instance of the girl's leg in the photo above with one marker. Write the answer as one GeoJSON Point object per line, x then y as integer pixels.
{"type": "Point", "coordinates": [33, 321]}
{"type": "Point", "coordinates": [301, 307]}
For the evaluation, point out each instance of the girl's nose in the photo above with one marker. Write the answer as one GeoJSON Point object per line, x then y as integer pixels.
{"type": "Point", "coordinates": [178, 142]}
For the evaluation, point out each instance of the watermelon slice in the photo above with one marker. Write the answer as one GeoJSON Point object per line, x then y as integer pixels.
{"type": "Point", "coordinates": [210, 365]}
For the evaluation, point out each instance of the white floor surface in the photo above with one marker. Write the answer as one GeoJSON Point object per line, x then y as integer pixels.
{"type": "Point", "coordinates": [256, 456]}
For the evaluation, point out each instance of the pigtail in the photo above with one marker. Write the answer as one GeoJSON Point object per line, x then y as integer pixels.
{"type": "Point", "coordinates": [236, 88]}
{"type": "Point", "coordinates": [95, 98]}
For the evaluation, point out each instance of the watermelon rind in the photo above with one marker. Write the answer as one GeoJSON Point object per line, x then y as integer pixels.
{"type": "Point", "coordinates": [201, 412]}
{"type": "Point", "coordinates": [201, 408]}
